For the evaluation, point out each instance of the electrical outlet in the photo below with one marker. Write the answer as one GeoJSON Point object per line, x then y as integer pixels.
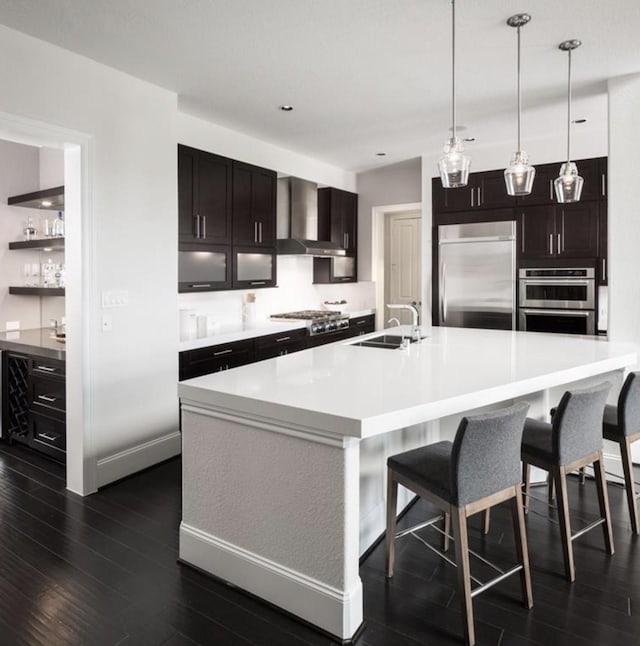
{"type": "Point", "coordinates": [12, 325]}
{"type": "Point", "coordinates": [107, 323]}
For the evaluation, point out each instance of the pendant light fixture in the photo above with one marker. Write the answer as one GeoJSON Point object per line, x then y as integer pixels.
{"type": "Point", "coordinates": [520, 174]}
{"type": "Point", "coordinates": [568, 185]}
{"type": "Point", "coordinates": [454, 165]}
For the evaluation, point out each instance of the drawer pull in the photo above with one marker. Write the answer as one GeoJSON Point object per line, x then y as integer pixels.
{"type": "Point", "coordinates": [48, 437]}
{"type": "Point", "coordinates": [46, 368]}
{"type": "Point", "coordinates": [46, 398]}
{"type": "Point", "coordinates": [360, 322]}
{"type": "Point", "coordinates": [221, 352]}
{"type": "Point", "coordinates": [283, 338]}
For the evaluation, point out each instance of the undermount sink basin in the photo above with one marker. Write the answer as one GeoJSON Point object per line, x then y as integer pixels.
{"type": "Point", "coordinates": [387, 341]}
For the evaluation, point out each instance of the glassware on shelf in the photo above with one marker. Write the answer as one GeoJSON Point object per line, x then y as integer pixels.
{"type": "Point", "coordinates": [30, 232]}
{"type": "Point", "coordinates": [48, 274]}
{"type": "Point", "coordinates": [28, 282]}
{"type": "Point", "coordinates": [45, 227]}
{"type": "Point", "coordinates": [59, 275]}
{"type": "Point", "coordinates": [57, 228]}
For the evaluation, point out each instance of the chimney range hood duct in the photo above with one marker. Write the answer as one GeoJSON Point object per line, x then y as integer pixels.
{"type": "Point", "coordinates": [298, 220]}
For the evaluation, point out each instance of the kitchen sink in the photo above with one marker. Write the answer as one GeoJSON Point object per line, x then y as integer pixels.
{"type": "Point", "coordinates": [387, 341]}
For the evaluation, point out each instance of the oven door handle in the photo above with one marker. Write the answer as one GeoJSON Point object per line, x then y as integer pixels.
{"type": "Point", "coordinates": [550, 282]}
{"type": "Point", "coordinates": [583, 313]}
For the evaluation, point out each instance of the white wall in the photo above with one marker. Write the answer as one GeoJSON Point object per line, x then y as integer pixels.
{"type": "Point", "coordinates": [624, 209]}
{"type": "Point", "coordinates": [51, 167]}
{"type": "Point", "coordinates": [129, 242]}
{"type": "Point", "coordinates": [394, 184]}
{"type": "Point", "coordinates": [213, 138]}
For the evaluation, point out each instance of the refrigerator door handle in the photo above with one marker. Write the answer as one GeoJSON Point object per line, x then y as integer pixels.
{"type": "Point", "coordinates": [443, 294]}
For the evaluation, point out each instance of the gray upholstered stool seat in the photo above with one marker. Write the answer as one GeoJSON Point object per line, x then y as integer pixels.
{"type": "Point", "coordinates": [481, 468]}
{"type": "Point", "coordinates": [429, 466]}
{"type": "Point", "coordinates": [571, 441]}
{"type": "Point", "coordinates": [611, 430]}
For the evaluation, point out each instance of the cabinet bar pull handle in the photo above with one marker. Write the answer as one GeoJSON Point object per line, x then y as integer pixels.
{"type": "Point", "coordinates": [258, 282]}
{"type": "Point", "coordinates": [472, 196]}
{"type": "Point", "coordinates": [204, 226]}
{"type": "Point", "coordinates": [200, 285]}
{"type": "Point", "coordinates": [360, 322]}
{"type": "Point", "coordinates": [260, 223]}
{"type": "Point", "coordinates": [479, 197]}
{"type": "Point", "coordinates": [551, 244]}
{"type": "Point", "coordinates": [559, 245]}
{"type": "Point", "coordinates": [283, 338]}
{"type": "Point", "coordinates": [255, 232]}
{"type": "Point", "coordinates": [46, 368]}
{"type": "Point", "coordinates": [604, 269]}
{"type": "Point", "coordinates": [48, 436]}
{"type": "Point", "coordinates": [221, 352]}
{"type": "Point", "coordinates": [551, 190]}
{"type": "Point", "coordinates": [47, 398]}
{"type": "Point", "coordinates": [604, 184]}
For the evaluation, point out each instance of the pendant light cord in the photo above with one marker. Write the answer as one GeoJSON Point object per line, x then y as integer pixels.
{"type": "Point", "coordinates": [519, 95]}
{"type": "Point", "coordinates": [453, 67]}
{"type": "Point", "coordinates": [569, 111]}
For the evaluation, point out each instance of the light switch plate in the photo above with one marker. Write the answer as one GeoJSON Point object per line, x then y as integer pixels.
{"type": "Point", "coordinates": [115, 298]}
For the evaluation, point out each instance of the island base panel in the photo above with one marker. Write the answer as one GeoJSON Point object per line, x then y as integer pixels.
{"type": "Point", "coordinates": [274, 512]}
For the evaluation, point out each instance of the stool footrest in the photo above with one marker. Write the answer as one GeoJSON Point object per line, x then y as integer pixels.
{"type": "Point", "coordinates": [489, 584]}
{"type": "Point", "coordinates": [415, 528]}
{"type": "Point", "coordinates": [588, 528]}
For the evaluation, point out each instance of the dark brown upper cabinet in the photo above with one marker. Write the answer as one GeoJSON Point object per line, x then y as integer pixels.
{"type": "Point", "coordinates": [558, 231]}
{"type": "Point", "coordinates": [603, 265]}
{"type": "Point", "coordinates": [338, 222]}
{"type": "Point", "coordinates": [254, 206]}
{"type": "Point", "coordinates": [204, 197]}
{"type": "Point", "coordinates": [490, 190]}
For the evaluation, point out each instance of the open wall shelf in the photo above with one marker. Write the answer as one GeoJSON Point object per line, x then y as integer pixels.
{"type": "Point", "coordinates": [37, 291]}
{"type": "Point", "coordinates": [55, 244]}
{"type": "Point", "coordinates": [53, 199]}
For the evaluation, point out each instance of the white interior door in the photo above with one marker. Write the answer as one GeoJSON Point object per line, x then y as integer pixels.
{"type": "Point", "coordinates": [402, 263]}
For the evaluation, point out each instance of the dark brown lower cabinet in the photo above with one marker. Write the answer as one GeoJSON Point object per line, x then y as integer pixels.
{"type": "Point", "coordinates": [276, 345]}
{"type": "Point", "coordinates": [34, 403]}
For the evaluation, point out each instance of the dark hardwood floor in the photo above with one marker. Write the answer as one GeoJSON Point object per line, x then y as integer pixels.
{"type": "Point", "coordinates": [102, 570]}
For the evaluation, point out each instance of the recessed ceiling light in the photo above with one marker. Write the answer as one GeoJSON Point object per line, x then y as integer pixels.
{"type": "Point", "coordinates": [45, 203]}
{"type": "Point", "coordinates": [286, 108]}
{"type": "Point", "coordinates": [579, 121]}
{"type": "Point", "coordinates": [469, 139]}
{"type": "Point", "coordinates": [381, 154]}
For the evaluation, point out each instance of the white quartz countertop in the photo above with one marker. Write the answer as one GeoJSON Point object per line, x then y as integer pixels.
{"type": "Point", "coordinates": [359, 391]}
{"type": "Point", "coordinates": [237, 332]}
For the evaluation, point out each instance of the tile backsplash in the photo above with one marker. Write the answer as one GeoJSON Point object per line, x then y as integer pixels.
{"type": "Point", "coordinates": [295, 291]}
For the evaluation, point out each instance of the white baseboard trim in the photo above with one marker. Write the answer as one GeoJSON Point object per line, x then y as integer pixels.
{"type": "Point", "coordinates": [138, 457]}
{"type": "Point", "coordinates": [335, 611]}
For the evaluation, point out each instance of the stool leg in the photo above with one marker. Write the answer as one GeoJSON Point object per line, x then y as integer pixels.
{"type": "Point", "coordinates": [583, 476]}
{"type": "Point", "coordinates": [526, 482]}
{"type": "Point", "coordinates": [560, 478]}
{"type": "Point", "coordinates": [627, 465]}
{"type": "Point", "coordinates": [486, 521]}
{"type": "Point", "coordinates": [603, 499]}
{"type": "Point", "coordinates": [520, 532]}
{"type": "Point", "coordinates": [459, 520]}
{"type": "Point", "coordinates": [447, 531]}
{"type": "Point", "coordinates": [390, 537]}
{"type": "Point", "coordinates": [552, 488]}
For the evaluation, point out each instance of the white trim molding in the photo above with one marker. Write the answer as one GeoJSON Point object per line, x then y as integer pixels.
{"type": "Point", "coordinates": [336, 611]}
{"type": "Point", "coordinates": [138, 457]}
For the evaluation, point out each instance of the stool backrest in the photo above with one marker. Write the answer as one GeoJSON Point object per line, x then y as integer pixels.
{"type": "Point", "coordinates": [577, 424]}
{"type": "Point", "coordinates": [485, 456]}
{"type": "Point", "coordinates": [629, 404]}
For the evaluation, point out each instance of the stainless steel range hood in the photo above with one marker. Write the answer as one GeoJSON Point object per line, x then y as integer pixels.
{"type": "Point", "coordinates": [298, 220]}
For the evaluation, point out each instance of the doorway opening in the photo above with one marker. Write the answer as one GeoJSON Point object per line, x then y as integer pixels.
{"type": "Point", "coordinates": [397, 260]}
{"type": "Point", "coordinates": [72, 150]}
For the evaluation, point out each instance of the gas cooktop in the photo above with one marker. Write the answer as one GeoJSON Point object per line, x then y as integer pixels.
{"type": "Point", "coordinates": [318, 321]}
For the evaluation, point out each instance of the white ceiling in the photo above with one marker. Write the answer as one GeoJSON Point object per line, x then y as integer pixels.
{"type": "Point", "coordinates": [364, 75]}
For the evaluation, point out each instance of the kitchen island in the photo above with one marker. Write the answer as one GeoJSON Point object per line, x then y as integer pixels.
{"type": "Point", "coordinates": [284, 460]}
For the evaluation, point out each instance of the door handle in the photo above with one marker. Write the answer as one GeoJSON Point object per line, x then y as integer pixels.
{"type": "Point", "coordinates": [604, 184]}
{"type": "Point", "coordinates": [604, 269]}
{"type": "Point", "coordinates": [46, 398]}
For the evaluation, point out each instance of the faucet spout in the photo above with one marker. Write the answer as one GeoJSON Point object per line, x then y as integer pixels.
{"type": "Point", "coordinates": [415, 314]}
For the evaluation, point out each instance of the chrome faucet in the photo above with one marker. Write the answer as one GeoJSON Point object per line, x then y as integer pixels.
{"type": "Point", "coordinates": [415, 317]}
{"type": "Point", "coordinates": [394, 319]}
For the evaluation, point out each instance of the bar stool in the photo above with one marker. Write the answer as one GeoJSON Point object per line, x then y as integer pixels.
{"type": "Point", "coordinates": [571, 441]}
{"type": "Point", "coordinates": [621, 424]}
{"type": "Point", "coordinates": [481, 468]}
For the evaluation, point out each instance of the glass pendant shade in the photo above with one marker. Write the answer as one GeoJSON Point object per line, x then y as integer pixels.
{"type": "Point", "coordinates": [454, 165]}
{"type": "Point", "coordinates": [520, 175]}
{"type": "Point", "coordinates": [568, 185]}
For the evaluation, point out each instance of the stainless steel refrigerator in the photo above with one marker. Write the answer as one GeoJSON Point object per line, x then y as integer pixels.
{"type": "Point", "coordinates": [477, 275]}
